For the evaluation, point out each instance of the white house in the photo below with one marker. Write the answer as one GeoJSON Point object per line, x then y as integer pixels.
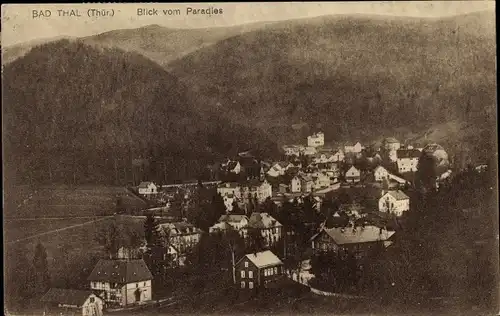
{"type": "Point", "coordinates": [353, 175]}
{"type": "Point", "coordinates": [338, 156]}
{"type": "Point", "coordinates": [316, 140]}
{"type": "Point", "coordinates": [229, 189]}
{"type": "Point", "coordinates": [270, 228]}
{"type": "Point", "coordinates": [394, 202]}
{"type": "Point", "coordinates": [407, 160]}
{"type": "Point", "coordinates": [76, 302]}
{"type": "Point", "coordinates": [310, 150]}
{"type": "Point", "coordinates": [295, 185]}
{"type": "Point", "coordinates": [123, 282]}
{"type": "Point", "coordinates": [233, 221]}
{"type": "Point", "coordinates": [261, 189]}
{"type": "Point", "coordinates": [147, 188]}
{"type": "Point", "coordinates": [353, 148]}
{"type": "Point", "coordinates": [321, 181]}
{"type": "Point", "coordinates": [293, 150]}
{"type": "Point", "coordinates": [182, 235]}
{"type": "Point", "coordinates": [380, 173]}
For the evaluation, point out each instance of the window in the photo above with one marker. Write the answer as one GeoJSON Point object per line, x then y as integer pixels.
{"type": "Point", "coordinates": [242, 274]}
{"type": "Point", "coordinates": [275, 270]}
{"type": "Point", "coordinates": [265, 272]}
{"type": "Point", "coordinates": [270, 271]}
{"type": "Point", "coordinates": [144, 283]}
{"type": "Point", "coordinates": [250, 275]}
{"type": "Point", "coordinates": [246, 264]}
{"type": "Point", "coordinates": [250, 285]}
{"type": "Point", "coordinates": [92, 300]}
{"type": "Point", "coordinates": [242, 284]}
{"type": "Point", "coordinates": [137, 285]}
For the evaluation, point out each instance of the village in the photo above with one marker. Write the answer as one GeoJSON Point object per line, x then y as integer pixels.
{"type": "Point", "coordinates": [263, 227]}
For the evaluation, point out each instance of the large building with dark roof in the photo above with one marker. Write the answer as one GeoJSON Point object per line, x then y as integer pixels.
{"type": "Point", "coordinates": [122, 282]}
{"type": "Point", "coordinates": [358, 241]}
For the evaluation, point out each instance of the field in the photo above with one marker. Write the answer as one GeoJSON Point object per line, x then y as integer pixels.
{"type": "Point", "coordinates": [16, 229]}
{"type": "Point", "coordinates": [66, 201]}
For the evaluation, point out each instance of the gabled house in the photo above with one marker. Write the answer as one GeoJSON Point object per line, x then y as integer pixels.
{"type": "Point", "coordinates": [309, 151]}
{"type": "Point", "coordinates": [380, 173]}
{"type": "Point", "coordinates": [234, 167]}
{"type": "Point", "coordinates": [394, 202]}
{"type": "Point", "coordinates": [236, 222]}
{"type": "Point", "coordinates": [295, 185]}
{"type": "Point", "coordinates": [352, 175]}
{"type": "Point", "coordinates": [182, 235]}
{"type": "Point", "coordinates": [407, 160]}
{"type": "Point", "coordinates": [321, 181]}
{"type": "Point", "coordinates": [338, 156]}
{"type": "Point", "coordinates": [353, 148]}
{"type": "Point", "coordinates": [147, 188]}
{"type": "Point", "coordinates": [77, 302]}
{"type": "Point", "coordinates": [316, 140]}
{"type": "Point", "coordinates": [229, 188]}
{"type": "Point", "coordinates": [269, 227]}
{"type": "Point", "coordinates": [358, 241]}
{"type": "Point", "coordinates": [306, 183]}
{"type": "Point", "coordinates": [256, 188]}
{"type": "Point", "coordinates": [258, 269]}
{"type": "Point", "coordinates": [122, 282]}
{"type": "Point", "coordinates": [293, 150]}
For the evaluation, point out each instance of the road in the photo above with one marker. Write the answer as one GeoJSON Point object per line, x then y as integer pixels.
{"type": "Point", "coordinates": [57, 230]}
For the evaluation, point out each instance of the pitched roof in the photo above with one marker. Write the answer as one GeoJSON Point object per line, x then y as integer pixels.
{"type": "Point", "coordinates": [221, 226]}
{"type": "Point", "coordinates": [120, 271]}
{"type": "Point", "coordinates": [355, 169]}
{"type": "Point", "coordinates": [391, 140]}
{"type": "Point", "coordinates": [357, 235]}
{"type": "Point", "coordinates": [398, 195]}
{"type": "Point", "coordinates": [232, 218]}
{"type": "Point", "coordinates": [263, 259]}
{"type": "Point", "coordinates": [262, 220]}
{"type": "Point", "coordinates": [66, 296]}
{"type": "Point", "coordinates": [145, 184]}
{"type": "Point", "coordinates": [232, 165]}
{"type": "Point", "coordinates": [408, 153]}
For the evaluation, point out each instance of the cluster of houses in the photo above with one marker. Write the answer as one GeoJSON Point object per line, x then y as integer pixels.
{"type": "Point", "coordinates": [313, 170]}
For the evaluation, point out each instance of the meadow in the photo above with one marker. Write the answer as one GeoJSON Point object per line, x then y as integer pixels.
{"type": "Point", "coordinates": [67, 201]}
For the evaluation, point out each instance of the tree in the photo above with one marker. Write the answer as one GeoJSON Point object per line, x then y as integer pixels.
{"type": "Point", "coordinates": [120, 206]}
{"type": "Point", "coordinates": [256, 241]}
{"type": "Point", "coordinates": [42, 277]}
{"type": "Point", "coordinates": [237, 210]}
{"type": "Point", "coordinates": [110, 238]}
{"type": "Point", "coordinates": [150, 230]}
{"type": "Point", "coordinates": [20, 277]}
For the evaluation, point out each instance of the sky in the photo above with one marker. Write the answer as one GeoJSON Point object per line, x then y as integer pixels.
{"type": "Point", "coordinates": [19, 25]}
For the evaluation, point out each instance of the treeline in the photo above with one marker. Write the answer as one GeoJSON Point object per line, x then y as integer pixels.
{"type": "Point", "coordinates": [74, 113]}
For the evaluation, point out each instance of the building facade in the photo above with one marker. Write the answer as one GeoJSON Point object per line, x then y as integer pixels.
{"type": "Point", "coordinates": [122, 282]}
{"type": "Point", "coordinates": [257, 270]}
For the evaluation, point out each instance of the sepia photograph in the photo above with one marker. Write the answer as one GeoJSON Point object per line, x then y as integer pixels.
{"type": "Point", "coordinates": [264, 158]}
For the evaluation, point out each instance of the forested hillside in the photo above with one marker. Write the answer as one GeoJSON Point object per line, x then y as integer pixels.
{"type": "Point", "coordinates": [355, 75]}
{"type": "Point", "coordinates": [76, 113]}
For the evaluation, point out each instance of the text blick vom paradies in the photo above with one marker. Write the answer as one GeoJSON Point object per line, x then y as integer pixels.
{"type": "Point", "coordinates": [93, 12]}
